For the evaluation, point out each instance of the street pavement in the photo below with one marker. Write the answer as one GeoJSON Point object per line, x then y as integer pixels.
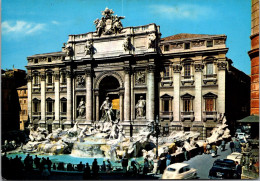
{"type": "Point", "coordinates": [204, 162]}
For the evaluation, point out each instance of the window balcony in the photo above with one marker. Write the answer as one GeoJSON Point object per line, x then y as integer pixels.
{"type": "Point", "coordinates": [36, 115]}
{"type": "Point", "coordinates": [210, 78]}
{"type": "Point", "coordinates": [50, 84]}
{"type": "Point", "coordinates": [187, 79]}
{"type": "Point", "coordinates": [50, 115]}
{"type": "Point", "coordinates": [166, 80]}
{"type": "Point", "coordinates": [187, 115]}
{"type": "Point", "coordinates": [212, 115]}
{"type": "Point", "coordinates": [166, 115]}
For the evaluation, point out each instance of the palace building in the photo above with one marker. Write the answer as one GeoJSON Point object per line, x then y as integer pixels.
{"type": "Point", "coordinates": [185, 80]}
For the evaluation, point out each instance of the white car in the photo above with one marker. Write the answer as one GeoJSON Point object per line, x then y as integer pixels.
{"type": "Point", "coordinates": [242, 135]}
{"type": "Point", "coordinates": [236, 156]}
{"type": "Point", "coordinates": [179, 171]}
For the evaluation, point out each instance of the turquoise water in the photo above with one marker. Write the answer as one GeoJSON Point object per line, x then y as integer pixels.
{"type": "Point", "coordinates": [61, 158]}
{"type": "Point", "coordinates": [70, 159]}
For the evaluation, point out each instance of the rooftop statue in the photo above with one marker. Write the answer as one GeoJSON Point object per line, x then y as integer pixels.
{"type": "Point", "coordinates": [108, 24]}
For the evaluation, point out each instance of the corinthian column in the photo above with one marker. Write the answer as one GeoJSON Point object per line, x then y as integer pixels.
{"type": "Point", "coordinates": [150, 93]}
{"type": "Point", "coordinates": [69, 96]}
{"type": "Point", "coordinates": [127, 103]}
{"type": "Point", "coordinates": [89, 102]}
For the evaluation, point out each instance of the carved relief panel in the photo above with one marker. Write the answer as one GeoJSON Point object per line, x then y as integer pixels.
{"type": "Point", "coordinates": [140, 78]}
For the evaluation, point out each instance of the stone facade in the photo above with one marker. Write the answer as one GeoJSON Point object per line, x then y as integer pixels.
{"type": "Point", "coordinates": [181, 78]}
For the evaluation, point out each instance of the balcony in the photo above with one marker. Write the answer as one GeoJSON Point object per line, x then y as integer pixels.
{"type": "Point", "coordinates": [166, 115]}
{"type": "Point", "coordinates": [212, 115]}
{"type": "Point", "coordinates": [187, 115]}
{"type": "Point", "coordinates": [36, 115]}
{"type": "Point", "coordinates": [187, 79]}
{"type": "Point", "coordinates": [166, 80]}
{"type": "Point", "coordinates": [210, 78]}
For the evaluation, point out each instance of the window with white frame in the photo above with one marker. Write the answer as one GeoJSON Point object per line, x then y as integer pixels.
{"type": "Point", "coordinates": [209, 68]}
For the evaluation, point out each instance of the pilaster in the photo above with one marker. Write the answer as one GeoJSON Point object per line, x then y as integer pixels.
{"type": "Point", "coordinates": [43, 97]}
{"type": "Point", "coordinates": [198, 92]}
{"type": "Point", "coordinates": [221, 86]}
{"type": "Point", "coordinates": [176, 92]}
{"type": "Point", "coordinates": [57, 96]}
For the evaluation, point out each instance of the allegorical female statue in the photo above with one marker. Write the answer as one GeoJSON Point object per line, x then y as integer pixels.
{"type": "Point", "coordinates": [81, 108]}
{"type": "Point", "coordinates": [140, 107]}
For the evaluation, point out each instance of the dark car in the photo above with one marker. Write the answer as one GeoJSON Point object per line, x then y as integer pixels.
{"type": "Point", "coordinates": [223, 169]}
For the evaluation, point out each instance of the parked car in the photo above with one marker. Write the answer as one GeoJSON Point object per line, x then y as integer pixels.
{"type": "Point", "coordinates": [242, 136]}
{"type": "Point", "coordinates": [223, 169]}
{"type": "Point", "coordinates": [236, 156]}
{"type": "Point", "coordinates": [179, 171]}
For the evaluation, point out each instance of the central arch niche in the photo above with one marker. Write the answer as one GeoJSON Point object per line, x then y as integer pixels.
{"type": "Point", "coordinates": [109, 87]}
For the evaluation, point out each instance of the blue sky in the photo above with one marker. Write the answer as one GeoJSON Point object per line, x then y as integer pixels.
{"type": "Point", "coordinates": [41, 26]}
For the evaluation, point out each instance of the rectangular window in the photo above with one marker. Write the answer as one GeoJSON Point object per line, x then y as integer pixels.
{"type": "Point", "coordinates": [63, 78]}
{"type": "Point", "coordinates": [186, 105]}
{"type": "Point", "coordinates": [166, 48]}
{"type": "Point", "coordinates": [50, 79]}
{"type": "Point", "coordinates": [187, 46]}
{"type": "Point", "coordinates": [187, 71]}
{"type": "Point", "coordinates": [166, 105]}
{"type": "Point", "coordinates": [49, 106]}
{"type": "Point", "coordinates": [36, 79]}
{"type": "Point", "coordinates": [49, 59]}
{"type": "Point", "coordinates": [63, 106]}
{"type": "Point", "coordinates": [35, 60]}
{"type": "Point", "coordinates": [24, 101]}
{"type": "Point", "coordinates": [166, 71]}
{"type": "Point", "coordinates": [210, 43]}
{"type": "Point", "coordinates": [35, 106]}
{"type": "Point", "coordinates": [209, 105]}
{"type": "Point", "coordinates": [209, 68]}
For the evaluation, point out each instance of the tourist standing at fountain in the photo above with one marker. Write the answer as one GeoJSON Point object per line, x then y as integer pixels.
{"type": "Point", "coordinates": [54, 166]}
{"type": "Point", "coordinates": [103, 167]}
{"type": "Point", "coordinates": [49, 163]}
{"type": "Point", "coordinates": [109, 165]}
{"type": "Point", "coordinates": [37, 161]}
{"type": "Point", "coordinates": [80, 167]}
{"type": "Point", "coordinates": [124, 163]}
{"type": "Point", "coordinates": [86, 173]}
{"type": "Point", "coordinates": [168, 159]}
{"type": "Point", "coordinates": [95, 169]}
